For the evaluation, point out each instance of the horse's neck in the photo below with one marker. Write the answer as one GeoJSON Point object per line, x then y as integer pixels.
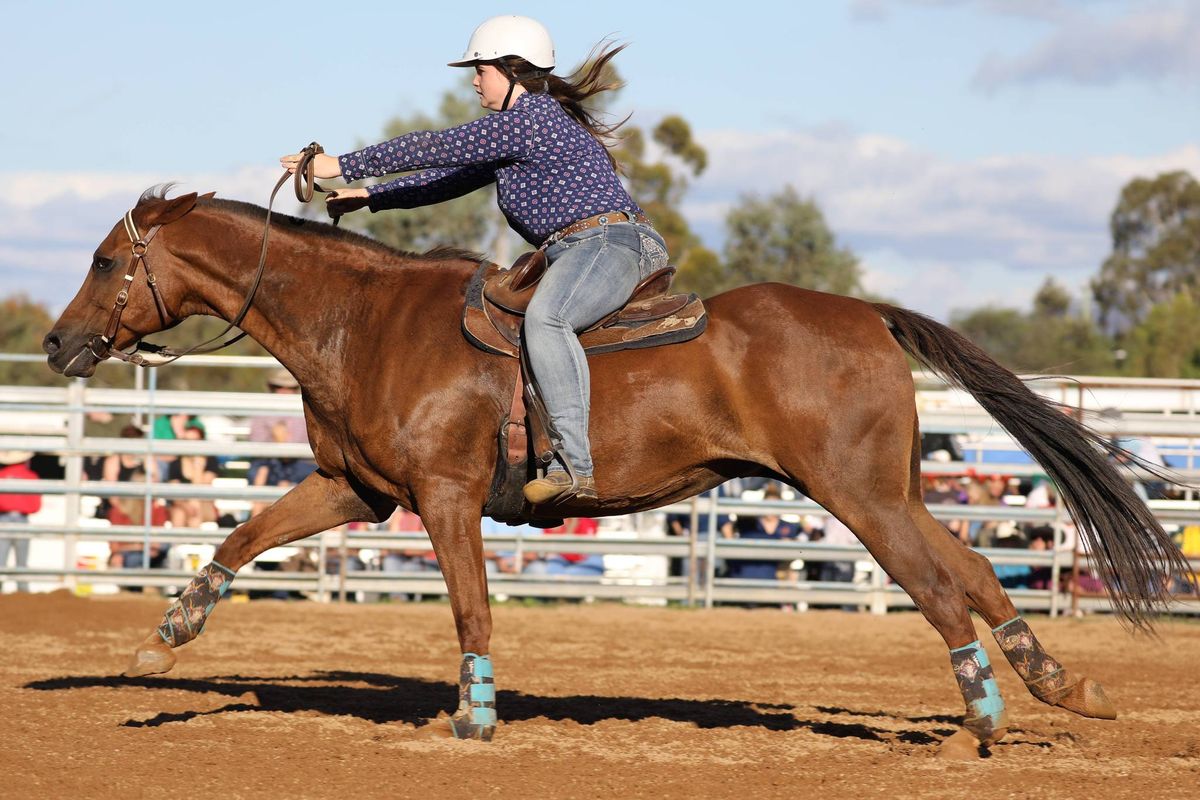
{"type": "Point", "coordinates": [299, 310]}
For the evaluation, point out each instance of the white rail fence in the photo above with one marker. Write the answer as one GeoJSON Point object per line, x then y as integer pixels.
{"type": "Point", "coordinates": [69, 545]}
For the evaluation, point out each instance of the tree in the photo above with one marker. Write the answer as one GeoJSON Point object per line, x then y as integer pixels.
{"type": "Point", "coordinates": [1049, 338]}
{"type": "Point", "coordinates": [23, 323]}
{"type": "Point", "coordinates": [1166, 344]}
{"type": "Point", "coordinates": [783, 238]}
{"type": "Point", "coordinates": [1156, 249]}
{"type": "Point", "coordinates": [999, 332]}
{"type": "Point", "coordinates": [659, 185]}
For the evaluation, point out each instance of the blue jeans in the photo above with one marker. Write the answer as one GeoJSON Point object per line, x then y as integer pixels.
{"type": "Point", "coordinates": [20, 547]}
{"type": "Point", "coordinates": [590, 275]}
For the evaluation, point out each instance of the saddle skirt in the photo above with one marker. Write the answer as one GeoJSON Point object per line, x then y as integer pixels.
{"type": "Point", "coordinates": [497, 299]}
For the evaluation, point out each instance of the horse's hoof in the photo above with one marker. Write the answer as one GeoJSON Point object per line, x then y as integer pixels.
{"type": "Point", "coordinates": [960, 746]}
{"type": "Point", "coordinates": [153, 656]}
{"type": "Point", "coordinates": [463, 726]}
{"type": "Point", "coordinates": [1087, 699]}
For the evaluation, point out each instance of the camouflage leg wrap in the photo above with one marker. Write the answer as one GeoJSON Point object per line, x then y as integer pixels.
{"type": "Point", "coordinates": [185, 618]}
{"type": "Point", "coordinates": [985, 707]}
{"type": "Point", "coordinates": [476, 714]}
{"type": "Point", "coordinates": [1046, 679]}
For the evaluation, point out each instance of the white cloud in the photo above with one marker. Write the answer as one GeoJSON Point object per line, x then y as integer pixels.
{"type": "Point", "coordinates": [51, 222]}
{"type": "Point", "coordinates": [935, 233]}
{"type": "Point", "coordinates": [939, 288]}
{"type": "Point", "coordinates": [1150, 42]}
{"type": "Point", "coordinates": [1026, 216]}
{"type": "Point", "coordinates": [1090, 43]}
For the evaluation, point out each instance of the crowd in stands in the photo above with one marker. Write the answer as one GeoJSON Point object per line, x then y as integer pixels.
{"type": "Point", "coordinates": [946, 487]}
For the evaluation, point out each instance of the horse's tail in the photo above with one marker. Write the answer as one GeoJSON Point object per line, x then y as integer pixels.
{"type": "Point", "coordinates": [1135, 556]}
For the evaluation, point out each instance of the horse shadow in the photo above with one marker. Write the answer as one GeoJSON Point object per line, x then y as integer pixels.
{"type": "Point", "coordinates": [383, 699]}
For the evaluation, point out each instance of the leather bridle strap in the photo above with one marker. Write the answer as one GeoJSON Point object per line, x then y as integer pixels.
{"type": "Point", "coordinates": [304, 187]}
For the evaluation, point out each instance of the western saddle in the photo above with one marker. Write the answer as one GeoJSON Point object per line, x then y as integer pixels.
{"type": "Point", "coordinates": [492, 319]}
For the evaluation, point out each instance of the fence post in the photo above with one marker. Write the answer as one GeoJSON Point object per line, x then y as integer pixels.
{"type": "Point", "coordinates": [148, 466]}
{"type": "Point", "coordinates": [879, 604]}
{"type": "Point", "coordinates": [710, 568]}
{"type": "Point", "coordinates": [693, 541]}
{"type": "Point", "coordinates": [342, 550]}
{"type": "Point", "coordinates": [1059, 526]}
{"type": "Point", "coordinates": [73, 475]}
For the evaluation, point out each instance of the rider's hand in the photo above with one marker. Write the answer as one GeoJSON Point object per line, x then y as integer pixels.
{"type": "Point", "coordinates": [324, 165]}
{"type": "Point", "coordinates": [343, 201]}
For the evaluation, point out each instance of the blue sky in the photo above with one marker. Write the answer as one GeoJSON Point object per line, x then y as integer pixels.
{"type": "Point", "coordinates": [964, 149]}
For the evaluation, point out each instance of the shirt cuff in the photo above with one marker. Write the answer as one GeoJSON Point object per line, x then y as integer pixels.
{"type": "Point", "coordinates": [376, 195]}
{"type": "Point", "coordinates": [353, 166]}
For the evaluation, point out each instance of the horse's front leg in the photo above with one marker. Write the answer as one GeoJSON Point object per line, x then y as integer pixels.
{"type": "Point", "coordinates": [453, 522]}
{"type": "Point", "coordinates": [316, 504]}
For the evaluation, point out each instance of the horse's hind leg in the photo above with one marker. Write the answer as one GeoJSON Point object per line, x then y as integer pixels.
{"type": "Point", "coordinates": [316, 504]}
{"type": "Point", "coordinates": [1045, 677]}
{"type": "Point", "coordinates": [887, 530]}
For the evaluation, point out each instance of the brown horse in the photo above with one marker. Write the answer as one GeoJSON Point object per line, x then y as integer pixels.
{"type": "Point", "coordinates": [805, 387]}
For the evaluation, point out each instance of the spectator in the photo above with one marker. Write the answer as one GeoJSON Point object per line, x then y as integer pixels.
{"type": "Point", "coordinates": [1140, 452]}
{"type": "Point", "coordinates": [988, 491]}
{"type": "Point", "coordinates": [197, 470]}
{"type": "Point", "coordinates": [1012, 576]}
{"type": "Point", "coordinates": [14, 465]}
{"type": "Point", "coordinates": [1041, 541]}
{"type": "Point", "coordinates": [569, 563]}
{"type": "Point", "coordinates": [940, 490]}
{"type": "Point", "coordinates": [121, 467]}
{"type": "Point", "coordinates": [170, 426]}
{"type": "Point", "coordinates": [290, 428]}
{"type": "Point", "coordinates": [128, 511]}
{"type": "Point", "coordinates": [836, 533]}
{"type": "Point", "coordinates": [680, 525]}
{"type": "Point", "coordinates": [407, 560]}
{"type": "Point", "coordinates": [767, 526]}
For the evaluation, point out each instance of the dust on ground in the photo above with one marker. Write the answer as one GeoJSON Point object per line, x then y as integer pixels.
{"type": "Point", "coordinates": [304, 700]}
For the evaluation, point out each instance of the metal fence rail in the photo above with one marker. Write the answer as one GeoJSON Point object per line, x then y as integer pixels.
{"type": "Point", "coordinates": [53, 422]}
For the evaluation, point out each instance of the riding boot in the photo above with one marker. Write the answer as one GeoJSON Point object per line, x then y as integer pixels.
{"type": "Point", "coordinates": [558, 487]}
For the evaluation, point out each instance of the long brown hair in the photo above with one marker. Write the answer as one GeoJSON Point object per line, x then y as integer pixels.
{"type": "Point", "coordinates": [590, 78]}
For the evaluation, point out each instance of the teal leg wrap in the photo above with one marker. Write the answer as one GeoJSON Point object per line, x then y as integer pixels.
{"type": "Point", "coordinates": [476, 714]}
{"type": "Point", "coordinates": [985, 707]}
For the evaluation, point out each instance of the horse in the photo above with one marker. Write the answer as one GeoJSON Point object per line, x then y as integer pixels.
{"type": "Point", "coordinates": [800, 386]}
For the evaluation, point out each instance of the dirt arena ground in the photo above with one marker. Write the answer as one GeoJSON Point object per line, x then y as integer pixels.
{"type": "Point", "coordinates": [299, 700]}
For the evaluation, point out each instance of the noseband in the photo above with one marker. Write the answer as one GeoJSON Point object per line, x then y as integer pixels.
{"type": "Point", "coordinates": [100, 345]}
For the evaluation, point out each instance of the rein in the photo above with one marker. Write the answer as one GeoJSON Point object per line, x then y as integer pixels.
{"type": "Point", "coordinates": [100, 345]}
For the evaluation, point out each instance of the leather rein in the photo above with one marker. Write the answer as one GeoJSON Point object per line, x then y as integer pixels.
{"type": "Point", "coordinates": [146, 354]}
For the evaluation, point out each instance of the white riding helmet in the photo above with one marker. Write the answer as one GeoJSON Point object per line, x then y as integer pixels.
{"type": "Point", "coordinates": [509, 35]}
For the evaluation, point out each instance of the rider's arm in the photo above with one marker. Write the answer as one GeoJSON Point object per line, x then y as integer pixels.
{"type": "Point", "coordinates": [499, 137]}
{"type": "Point", "coordinates": [429, 186]}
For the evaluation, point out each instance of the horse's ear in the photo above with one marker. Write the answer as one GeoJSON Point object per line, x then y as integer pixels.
{"type": "Point", "coordinates": [207, 196]}
{"type": "Point", "coordinates": [170, 210]}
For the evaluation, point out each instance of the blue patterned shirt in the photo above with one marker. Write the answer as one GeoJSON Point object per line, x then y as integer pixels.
{"type": "Point", "coordinates": [549, 171]}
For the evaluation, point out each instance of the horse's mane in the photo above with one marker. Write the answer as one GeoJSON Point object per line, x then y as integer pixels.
{"type": "Point", "coordinates": [258, 213]}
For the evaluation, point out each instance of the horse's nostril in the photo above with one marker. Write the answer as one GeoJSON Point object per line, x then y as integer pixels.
{"type": "Point", "coordinates": [52, 343]}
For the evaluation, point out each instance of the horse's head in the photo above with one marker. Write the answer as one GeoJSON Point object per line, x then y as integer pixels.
{"type": "Point", "coordinates": [121, 299]}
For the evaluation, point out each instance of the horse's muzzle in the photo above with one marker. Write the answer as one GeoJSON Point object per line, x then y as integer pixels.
{"type": "Point", "coordinates": [71, 356]}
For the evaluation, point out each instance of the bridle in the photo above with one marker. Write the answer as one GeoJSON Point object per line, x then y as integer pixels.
{"type": "Point", "coordinates": [146, 354]}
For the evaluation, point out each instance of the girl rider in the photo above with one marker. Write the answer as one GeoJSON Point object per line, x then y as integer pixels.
{"type": "Point", "coordinates": [556, 184]}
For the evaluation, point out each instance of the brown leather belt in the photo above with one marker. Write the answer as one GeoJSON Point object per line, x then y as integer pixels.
{"type": "Point", "coordinates": [592, 222]}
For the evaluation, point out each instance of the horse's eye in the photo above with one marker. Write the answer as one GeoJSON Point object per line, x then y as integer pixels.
{"type": "Point", "coordinates": [101, 264]}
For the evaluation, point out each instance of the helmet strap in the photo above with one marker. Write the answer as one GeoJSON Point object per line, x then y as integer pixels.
{"type": "Point", "coordinates": [512, 81]}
